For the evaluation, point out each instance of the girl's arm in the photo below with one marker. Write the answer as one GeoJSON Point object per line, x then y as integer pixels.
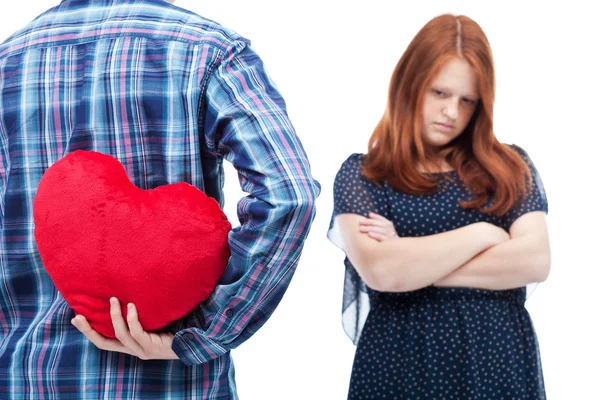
{"type": "Point", "coordinates": [523, 259]}
{"type": "Point", "coordinates": [410, 263]}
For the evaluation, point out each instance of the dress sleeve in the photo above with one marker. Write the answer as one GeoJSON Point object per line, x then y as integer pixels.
{"type": "Point", "coordinates": [354, 194]}
{"type": "Point", "coordinates": [535, 200]}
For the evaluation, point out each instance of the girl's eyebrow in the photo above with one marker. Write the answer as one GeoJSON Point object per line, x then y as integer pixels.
{"type": "Point", "coordinates": [448, 90]}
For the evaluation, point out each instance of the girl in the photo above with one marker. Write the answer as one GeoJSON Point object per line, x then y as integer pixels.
{"type": "Point", "coordinates": [443, 228]}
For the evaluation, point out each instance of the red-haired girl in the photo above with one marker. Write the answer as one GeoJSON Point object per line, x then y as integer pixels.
{"type": "Point", "coordinates": [443, 229]}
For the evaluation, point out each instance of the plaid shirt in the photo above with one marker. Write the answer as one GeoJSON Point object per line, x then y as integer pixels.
{"type": "Point", "coordinates": [170, 95]}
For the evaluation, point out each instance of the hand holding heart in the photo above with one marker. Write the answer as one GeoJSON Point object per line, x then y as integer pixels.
{"type": "Point", "coordinates": [99, 236]}
{"type": "Point", "coordinates": [131, 337]}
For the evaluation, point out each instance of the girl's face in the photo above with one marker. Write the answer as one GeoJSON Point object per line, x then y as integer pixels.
{"type": "Point", "coordinates": [449, 103]}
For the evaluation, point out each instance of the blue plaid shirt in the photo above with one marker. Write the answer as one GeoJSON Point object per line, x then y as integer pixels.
{"type": "Point", "coordinates": [170, 95]}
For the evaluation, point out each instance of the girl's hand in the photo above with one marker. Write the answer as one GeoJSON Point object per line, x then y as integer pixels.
{"type": "Point", "coordinates": [378, 227]}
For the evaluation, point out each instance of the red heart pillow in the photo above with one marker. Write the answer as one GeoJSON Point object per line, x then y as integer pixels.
{"type": "Point", "coordinates": [101, 236]}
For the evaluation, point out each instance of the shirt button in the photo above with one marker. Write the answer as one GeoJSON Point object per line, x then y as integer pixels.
{"type": "Point", "coordinates": [229, 313]}
{"type": "Point", "coordinates": [188, 336]}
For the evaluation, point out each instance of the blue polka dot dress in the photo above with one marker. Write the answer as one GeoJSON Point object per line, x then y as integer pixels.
{"type": "Point", "coordinates": [435, 343]}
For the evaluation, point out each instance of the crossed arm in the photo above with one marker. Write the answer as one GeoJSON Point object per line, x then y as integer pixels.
{"type": "Point", "coordinates": [479, 255]}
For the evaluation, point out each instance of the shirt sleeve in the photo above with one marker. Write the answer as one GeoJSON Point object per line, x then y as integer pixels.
{"type": "Point", "coordinates": [245, 122]}
{"type": "Point", "coordinates": [535, 200]}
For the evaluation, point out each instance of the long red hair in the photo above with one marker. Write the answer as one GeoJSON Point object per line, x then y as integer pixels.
{"type": "Point", "coordinates": [490, 169]}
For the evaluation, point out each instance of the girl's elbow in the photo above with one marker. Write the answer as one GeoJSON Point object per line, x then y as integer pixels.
{"type": "Point", "coordinates": [391, 286]}
{"type": "Point", "coordinates": [543, 267]}
{"type": "Point", "coordinates": [382, 280]}
{"type": "Point", "coordinates": [544, 272]}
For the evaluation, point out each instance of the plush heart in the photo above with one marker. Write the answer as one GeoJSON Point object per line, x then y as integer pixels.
{"type": "Point", "coordinates": [101, 236]}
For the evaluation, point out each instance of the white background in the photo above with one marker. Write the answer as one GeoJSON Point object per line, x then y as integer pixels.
{"type": "Point", "coordinates": [332, 61]}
